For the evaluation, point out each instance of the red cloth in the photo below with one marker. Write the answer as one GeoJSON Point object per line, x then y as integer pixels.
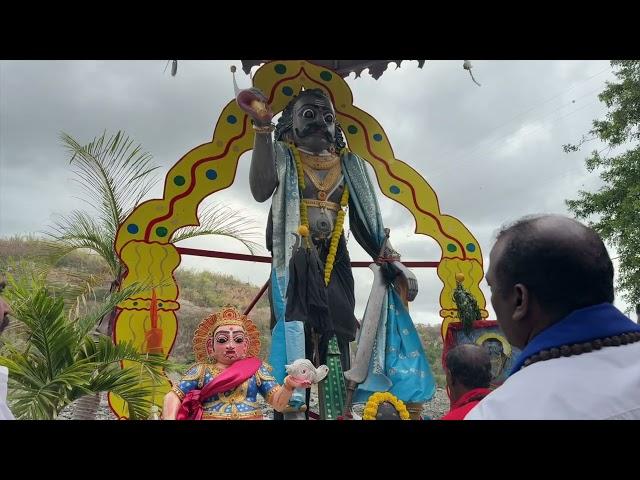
{"type": "Point", "coordinates": [234, 375]}
{"type": "Point", "coordinates": [465, 403]}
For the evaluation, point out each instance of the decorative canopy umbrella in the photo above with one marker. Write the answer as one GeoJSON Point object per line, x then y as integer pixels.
{"type": "Point", "coordinates": [342, 67]}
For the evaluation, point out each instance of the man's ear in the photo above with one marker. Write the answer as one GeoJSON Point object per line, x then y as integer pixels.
{"type": "Point", "coordinates": [521, 302]}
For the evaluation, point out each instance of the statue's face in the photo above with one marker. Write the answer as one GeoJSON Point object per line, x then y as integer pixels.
{"type": "Point", "coordinates": [386, 411]}
{"type": "Point", "coordinates": [314, 123]}
{"type": "Point", "coordinates": [230, 343]}
{"type": "Point", "coordinates": [496, 353]}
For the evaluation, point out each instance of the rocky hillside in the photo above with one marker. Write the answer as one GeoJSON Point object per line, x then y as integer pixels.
{"type": "Point", "coordinates": [201, 292]}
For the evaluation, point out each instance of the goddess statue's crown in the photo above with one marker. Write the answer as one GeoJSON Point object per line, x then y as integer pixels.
{"type": "Point", "coordinates": [226, 316]}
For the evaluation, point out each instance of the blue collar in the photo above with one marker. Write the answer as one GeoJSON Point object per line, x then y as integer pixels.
{"type": "Point", "coordinates": [584, 325]}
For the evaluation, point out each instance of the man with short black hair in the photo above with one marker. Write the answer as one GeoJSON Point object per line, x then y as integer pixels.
{"type": "Point", "coordinates": [468, 373]}
{"type": "Point", "coordinates": [551, 282]}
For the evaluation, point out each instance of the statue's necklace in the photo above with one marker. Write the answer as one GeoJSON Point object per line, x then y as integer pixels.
{"type": "Point", "coordinates": [324, 185]}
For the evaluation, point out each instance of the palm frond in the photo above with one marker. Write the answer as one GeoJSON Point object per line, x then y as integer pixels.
{"type": "Point", "coordinates": [23, 370]}
{"type": "Point", "coordinates": [50, 338]}
{"type": "Point", "coordinates": [76, 293]}
{"type": "Point", "coordinates": [79, 230]}
{"type": "Point", "coordinates": [218, 219]}
{"type": "Point", "coordinates": [35, 398]}
{"type": "Point", "coordinates": [115, 170]}
{"type": "Point", "coordinates": [133, 389]}
{"type": "Point", "coordinates": [24, 276]}
{"type": "Point", "coordinates": [89, 320]}
{"type": "Point", "coordinates": [107, 352]}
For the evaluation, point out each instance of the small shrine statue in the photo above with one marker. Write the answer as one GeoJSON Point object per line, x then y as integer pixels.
{"type": "Point", "coordinates": [385, 406]}
{"type": "Point", "coordinates": [228, 375]}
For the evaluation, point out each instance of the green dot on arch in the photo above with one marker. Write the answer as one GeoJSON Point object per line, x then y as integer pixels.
{"type": "Point", "coordinates": [326, 75]}
{"type": "Point", "coordinates": [179, 180]}
{"type": "Point", "coordinates": [162, 231]}
{"type": "Point", "coordinates": [352, 129]}
{"type": "Point", "coordinates": [451, 247]}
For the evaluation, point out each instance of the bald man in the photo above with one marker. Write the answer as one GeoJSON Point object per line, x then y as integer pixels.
{"type": "Point", "coordinates": [551, 282]}
{"type": "Point", "coordinates": [468, 373]}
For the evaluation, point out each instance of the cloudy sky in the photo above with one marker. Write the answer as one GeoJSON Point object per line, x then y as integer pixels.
{"type": "Point", "coordinates": [492, 153]}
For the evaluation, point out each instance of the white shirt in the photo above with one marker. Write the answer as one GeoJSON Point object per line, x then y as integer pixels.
{"type": "Point", "coordinates": [5, 413]}
{"type": "Point", "coordinates": [602, 384]}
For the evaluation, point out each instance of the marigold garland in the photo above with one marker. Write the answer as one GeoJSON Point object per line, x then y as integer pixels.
{"type": "Point", "coordinates": [375, 400]}
{"type": "Point", "coordinates": [335, 236]}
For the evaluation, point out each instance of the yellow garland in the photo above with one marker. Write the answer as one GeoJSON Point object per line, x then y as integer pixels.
{"type": "Point", "coordinates": [372, 405]}
{"type": "Point", "coordinates": [304, 217]}
{"type": "Point", "coordinates": [335, 236]}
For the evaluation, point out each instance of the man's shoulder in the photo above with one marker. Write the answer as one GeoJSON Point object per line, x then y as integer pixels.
{"type": "Point", "coordinates": [595, 385]}
{"type": "Point", "coordinates": [461, 412]}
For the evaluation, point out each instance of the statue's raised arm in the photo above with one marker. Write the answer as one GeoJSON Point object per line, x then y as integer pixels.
{"type": "Point", "coordinates": [262, 173]}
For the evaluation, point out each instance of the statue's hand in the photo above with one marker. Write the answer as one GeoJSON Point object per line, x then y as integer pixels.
{"type": "Point", "coordinates": [293, 382]}
{"type": "Point", "coordinates": [396, 271]}
{"type": "Point", "coordinates": [392, 268]}
{"type": "Point", "coordinates": [256, 105]}
{"type": "Point", "coordinates": [412, 282]}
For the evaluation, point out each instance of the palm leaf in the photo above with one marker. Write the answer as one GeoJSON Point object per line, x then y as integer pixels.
{"type": "Point", "coordinates": [129, 385]}
{"type": "Point", "coordinates": [88, 321]}
{"type": "Point", "coordinates": [107, 352]}
{"type": "Point", "coordinates": [79, 230]}
{"type": "Point", "coordinates": [50, 340]}
{"type": "Point", "coordinates": [35, 393]}
{"type": "Point", "coordinates": [217, 219]}
{"type": "Point", "coordinates": [115, 171]}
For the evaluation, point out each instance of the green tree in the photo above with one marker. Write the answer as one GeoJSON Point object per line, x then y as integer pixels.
{"type": "Point", "coordinates": [57, 358]}
{"type": "Point", "coordinates": [614, 210]}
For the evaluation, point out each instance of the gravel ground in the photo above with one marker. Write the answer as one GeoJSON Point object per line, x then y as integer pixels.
{"type": "Point", "coordinates": [433, 409]}
{"type": "Point", "coordinates": [104, 412]}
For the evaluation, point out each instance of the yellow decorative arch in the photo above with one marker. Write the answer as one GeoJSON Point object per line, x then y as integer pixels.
{"type": "Point", "coordinates": [144, 239]}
